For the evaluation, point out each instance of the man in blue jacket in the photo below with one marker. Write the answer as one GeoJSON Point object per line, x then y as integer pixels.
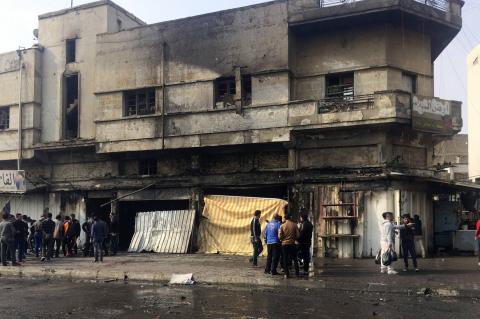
{"type": "Point", "coordinates": [98, 235]}
{"type": "Point", "coordinates": [274, 246]}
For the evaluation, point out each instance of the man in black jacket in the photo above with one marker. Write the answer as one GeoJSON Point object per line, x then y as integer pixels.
{"type": "Point", "coordinates": [255, 237]}
{"type": "Point", "coordinates": [407, 241]}
{"type": "Point", "coordinates": [419, 235]}
{"type": "Point", "coordinates": [21, 233]}
{"type": "Point", "coordinates": [48, 227]}
{"type": "Point", "coordinates": [74, 230]}
{"type": "Point", "coordinates": [87, 229]}
{"type": "Point", "coordinates": [305, 240]}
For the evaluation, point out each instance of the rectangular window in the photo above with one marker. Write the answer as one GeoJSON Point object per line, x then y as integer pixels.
{"type": "Point", "coordinates": [4, 118]}
{"type": "Point", "coordinates": [225, 90]}
{"type": "Point", "coordinates": [147, 167]}
{"type": "Point", "coordinates": [409, 82]}
{"type": "Point", "coordinates": [71, 50]}
{"type": "Point", "coordinates": [140, 102]}
{"type": "Point", "coordinates": [71, 107]}
{"type": "Point", "coordinates": [340, 86]}
{"type": "Point", "coordinates": [247, 89]}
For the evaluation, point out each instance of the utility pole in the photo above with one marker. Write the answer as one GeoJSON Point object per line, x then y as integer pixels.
{"type": "Point", "coordinates": [71, 3]}
{"type": "Point", "coordinates": [20, 74]}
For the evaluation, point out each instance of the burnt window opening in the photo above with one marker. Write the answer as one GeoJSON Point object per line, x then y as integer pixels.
{"type": "Point", "coordinates": [340, 86]}
{"type": "Point", "coordinates": [71, 107]}
{"type": "Point", "coordinates": [4, 118]}
{"type": "Point", "coordinates": [140, 102]}
{"type": "Point", "coordinates": [409, 82]}
{"type": "Point", "coordinates": [119, 25]}
{"type": "Point", "coordinates": [71, 50]}
{"type": "Point", "coordinates": [122, 168]}
{"type": "Point", "coordinates": [246, 89]}
{"type": "Point", "coordinates": [225, 90]}
{"type": "Point", "coordinates": [147, 167]}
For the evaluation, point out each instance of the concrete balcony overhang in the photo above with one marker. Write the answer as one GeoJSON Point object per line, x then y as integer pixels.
{"type": "Point", "coordinates": [441, 25]}
{"type": "Point", "coordinates": [264, 124]}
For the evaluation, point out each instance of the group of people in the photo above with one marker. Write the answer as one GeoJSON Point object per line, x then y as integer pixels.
{"type": "Point", "coordinates": [410, 235]}
{"type": "Point", "coordinates": [46, 238]}
{"type": "Point", "coordinates": [287, 243]}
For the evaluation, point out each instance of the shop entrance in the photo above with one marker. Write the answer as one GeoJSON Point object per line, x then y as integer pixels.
{"type": "Point", "coordinates": [94, 207]}
{"type": "Point", "coordinates": [129, 209]}
{"type": "Point", "coordinates": [455, 217]}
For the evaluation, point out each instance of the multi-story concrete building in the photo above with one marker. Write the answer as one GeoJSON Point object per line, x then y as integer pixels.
{"type": "Point", "coordinates": [452, 156]}
{"type": "Point", "coordinates": [328, 104]}
{"type": "Point", "coordinates": [473, 67]}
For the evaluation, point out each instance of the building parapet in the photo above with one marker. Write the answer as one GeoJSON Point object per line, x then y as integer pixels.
{"type": "Point", "coordinates": [443, 5]}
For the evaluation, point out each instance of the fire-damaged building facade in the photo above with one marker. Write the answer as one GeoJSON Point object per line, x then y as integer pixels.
{"type": "Point", "coordinates": [326, 104]}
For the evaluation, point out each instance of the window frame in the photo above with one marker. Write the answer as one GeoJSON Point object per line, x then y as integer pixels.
{"type": "Point", "coordinates": [6, 122]}
{"type": "Point", "coordinates": [414, 78]}
{"type": "Point", "coordinates": [149, 108]}
{"type": "Point", "coordinates": [247, 96]}
{"type": "Point", "coordinates": [148, 167]}
{"type": "Point", "coordinates": [230, 90]}
{"type": "Point", "coordinates": [348, 91]}
{"type": "Point", "coordinates": [70, 55]}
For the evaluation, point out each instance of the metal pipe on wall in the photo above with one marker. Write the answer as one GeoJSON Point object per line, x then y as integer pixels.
{"type": "Point", "coordinates": [164, 91]}
{"type": "Point", "coordinates": [20, 74]}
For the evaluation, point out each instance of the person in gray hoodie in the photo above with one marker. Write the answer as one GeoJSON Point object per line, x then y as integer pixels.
{"type": "Point", "coordinates": [387, 239]}
{"type": "Point", "coordinates": [7, 240]}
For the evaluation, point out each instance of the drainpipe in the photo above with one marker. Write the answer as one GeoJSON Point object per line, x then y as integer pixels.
{"type": "Point", "coordinates": [20, 72]}
{"type": "Point", "coordinates": [164, 98]}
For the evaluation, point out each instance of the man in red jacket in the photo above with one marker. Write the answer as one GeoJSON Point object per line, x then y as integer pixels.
{"type": "Point", "coordinates": [477, 237]}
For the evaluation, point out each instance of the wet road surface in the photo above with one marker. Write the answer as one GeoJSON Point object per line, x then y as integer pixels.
{"type": "Point", "coordinates": [62, 299]}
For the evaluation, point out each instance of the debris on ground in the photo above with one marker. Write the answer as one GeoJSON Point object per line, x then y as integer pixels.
{"type": "Point", "coordinates": [110, 280]}
{"type": "Point", "coordinates": [425, 291]}
{"type": "Point", "coordinates": [182, 279]}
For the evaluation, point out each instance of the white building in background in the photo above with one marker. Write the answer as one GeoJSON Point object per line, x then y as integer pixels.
{"type": "Point", "coordinates": [473, 62]}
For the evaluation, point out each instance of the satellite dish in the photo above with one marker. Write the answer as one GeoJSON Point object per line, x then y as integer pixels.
{"type": "Point", "coordinates": [35, 33]}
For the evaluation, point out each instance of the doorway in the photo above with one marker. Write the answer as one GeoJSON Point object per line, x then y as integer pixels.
{"type": "Point", "coordinates": [94, 207]}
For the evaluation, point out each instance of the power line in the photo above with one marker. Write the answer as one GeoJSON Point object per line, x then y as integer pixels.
{"type": "Point", "coordinates": [460, 80]}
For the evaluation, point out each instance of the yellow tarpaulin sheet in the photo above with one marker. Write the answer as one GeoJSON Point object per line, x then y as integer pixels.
{"type": "Point", "coordinates": [225, 227]}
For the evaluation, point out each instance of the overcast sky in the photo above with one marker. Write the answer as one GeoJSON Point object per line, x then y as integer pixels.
{"type": "Point", "coordinates": [19, 17]}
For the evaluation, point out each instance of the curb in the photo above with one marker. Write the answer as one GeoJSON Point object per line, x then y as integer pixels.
{"type": "Point", "coordinates": [158, 277]}
{"type": "Point", "coordinates": [163, 278]}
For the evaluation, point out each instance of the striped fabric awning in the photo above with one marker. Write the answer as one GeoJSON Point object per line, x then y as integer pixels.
{"type": "Point", "coordinates": [225, 227]}
{"type": "Point", "coordinates": [163, 231]}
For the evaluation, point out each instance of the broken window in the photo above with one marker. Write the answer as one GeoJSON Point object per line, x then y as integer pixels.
{"type": "Point", "coordinates": [225, 90]}
{"type": "Point", "coordinates": [340, 86]}
{"type": "Point", "coordinates": [140, 102]}
{"type": "Point", "coordinates": [246, 89]}
{"type": "Point", "coordinates": [4, 118]}
{"type": "Point", "coordinates": [71, 50]}
{"type": "Point", "coordinates": [409, 81]}
{"type": "Point", "coordinates": [147, 167]}
{"type": "Point", "coordinates": [119, 24]}
{"type": "Point", "coordinates": [71, 107]}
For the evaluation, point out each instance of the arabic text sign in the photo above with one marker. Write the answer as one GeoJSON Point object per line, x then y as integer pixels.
{"type": "Point", "coordinates": [432, 115]}
{"type": "Point", "coordinates": [12, 182]}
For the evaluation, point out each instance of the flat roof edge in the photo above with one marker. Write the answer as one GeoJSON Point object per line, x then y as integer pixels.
{"type": "Point", "coordinates": [168, 22]}
{"type": "Point", "coordinates": [89, 6]}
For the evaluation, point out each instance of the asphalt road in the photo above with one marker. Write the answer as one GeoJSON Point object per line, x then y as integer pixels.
{"type": "Point", "coordinates": [30, 299]}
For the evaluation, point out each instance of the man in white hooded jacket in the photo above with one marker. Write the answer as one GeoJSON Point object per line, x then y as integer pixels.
{"type": "Point", "coordinates": [387, 239]}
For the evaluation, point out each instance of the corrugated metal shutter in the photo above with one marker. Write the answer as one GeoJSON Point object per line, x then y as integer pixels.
{"type": "Point", "coordinates": [163, 231]}
{"type": "Point", "coordinates": [27, 204]}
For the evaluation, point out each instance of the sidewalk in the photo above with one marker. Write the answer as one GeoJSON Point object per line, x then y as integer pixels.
{"type": "Point", "coordinates": [449, 276]}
